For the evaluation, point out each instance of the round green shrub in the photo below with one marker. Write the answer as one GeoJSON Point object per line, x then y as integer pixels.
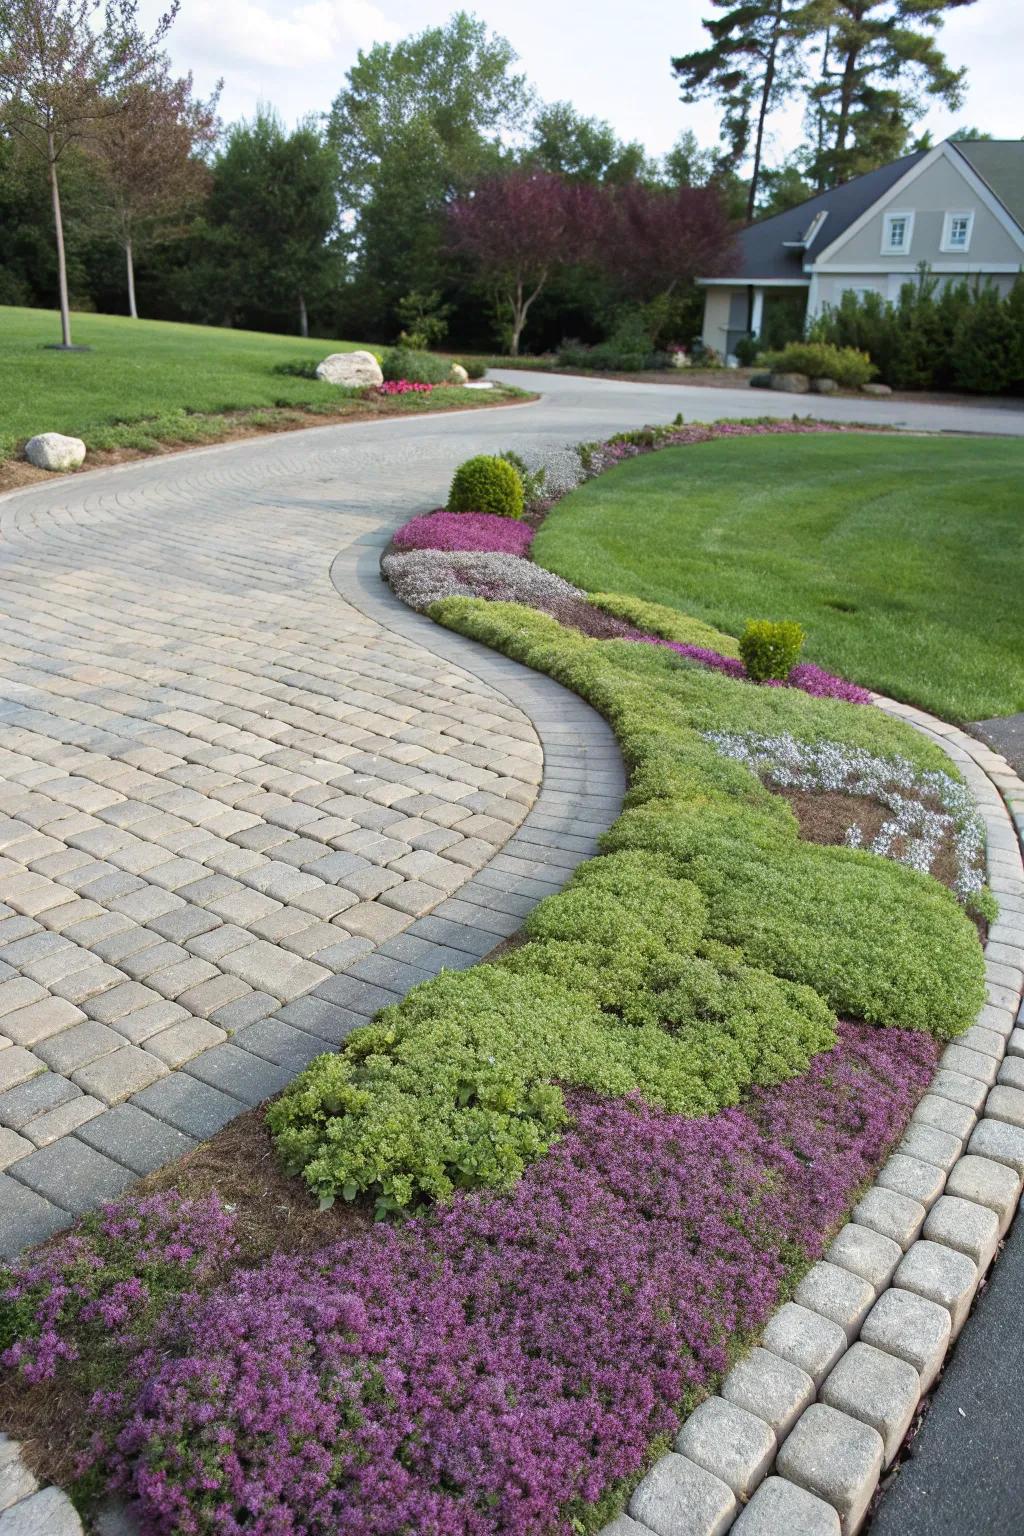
{"type": "Point", "coordinates": [416, 367]}
{"type": "Point", "coordinates": [770, 650]}
{"type": "Point", "coordinates": [821, 360]}
{"type": "Point", "coordinates": [487, 484]}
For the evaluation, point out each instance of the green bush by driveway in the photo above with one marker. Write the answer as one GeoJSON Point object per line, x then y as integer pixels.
{"type": "Point", "coordinates": [903, 558]}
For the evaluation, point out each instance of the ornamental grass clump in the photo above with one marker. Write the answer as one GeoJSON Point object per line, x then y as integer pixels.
{"type": "Point", "coordinates": [487, 484]}
{"type": "Point", "coordinates": [770, 649]}
{"type": "Point", "coordinates": [500, 1365]}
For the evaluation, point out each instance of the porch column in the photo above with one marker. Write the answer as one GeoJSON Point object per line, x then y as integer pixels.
{"type": "Point", "coordinates": [757, 312]}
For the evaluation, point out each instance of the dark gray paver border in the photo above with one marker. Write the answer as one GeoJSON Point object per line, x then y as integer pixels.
{"type": "Point", "coordinates": [580, 795]}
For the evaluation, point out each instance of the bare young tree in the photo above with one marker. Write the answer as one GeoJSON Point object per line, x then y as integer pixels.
{"type": "Point", "coordinates": [65, 65]}
{"type": "Point", "coordinates": [150, 155]}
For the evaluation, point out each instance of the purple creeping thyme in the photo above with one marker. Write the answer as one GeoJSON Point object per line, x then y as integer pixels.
{"type": "Point", "coordinates": [109, 1272]}
{"type": "Point", "coordinates": [483, 1370]}
{"type": "Point", "coordinates": [805, 676]}
{"type": "Point", "coordinates": [464, 530]}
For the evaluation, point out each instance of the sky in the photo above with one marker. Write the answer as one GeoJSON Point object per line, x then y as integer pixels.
{"type": "Point", "coordinates": [610, 60]}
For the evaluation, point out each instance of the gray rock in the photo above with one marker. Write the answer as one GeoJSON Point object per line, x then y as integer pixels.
{"type": "Point", "coordinates": [824, 386]}
{"type": "Point", "coordinates": [876, 389]}
{"type": "Point", "coordinates": [760, 381]}
{"type": "Point", "coordinates": [52, 450]}
{"type": "Point", "coordinates": [47, 1513]}
{"type": "Point", "coordinates": [791, 383]}
{"type": "Point", "coordinates": [354, 370]}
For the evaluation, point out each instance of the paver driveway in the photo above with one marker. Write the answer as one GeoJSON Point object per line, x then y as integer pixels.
{"type": "Point", "coordinates": [221, 784]}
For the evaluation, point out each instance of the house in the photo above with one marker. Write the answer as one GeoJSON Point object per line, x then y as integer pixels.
{"type": "Point", "coordinates": [958, 207]}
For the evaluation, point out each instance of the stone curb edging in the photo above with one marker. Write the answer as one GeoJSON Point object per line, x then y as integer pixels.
{"type": "Point", "coordinates": [805, 1425]}
{"type": "Point", "coordinates": [25, 1508]}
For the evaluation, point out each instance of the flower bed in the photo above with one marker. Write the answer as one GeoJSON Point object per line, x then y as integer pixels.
{"type": "Point", "coordinates": [476, 1371]}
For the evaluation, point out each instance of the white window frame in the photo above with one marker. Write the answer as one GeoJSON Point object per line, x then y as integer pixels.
{"type": "Point", "coordinates": [947, 245]}
{"type": "Point", "coordinates": [888, 249]}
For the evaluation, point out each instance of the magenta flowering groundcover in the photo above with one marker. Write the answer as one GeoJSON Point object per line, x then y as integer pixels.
{"type": "Point", "coordinates": [482, 531]}
{"type": "Point", "coordinates": [493, 1368]}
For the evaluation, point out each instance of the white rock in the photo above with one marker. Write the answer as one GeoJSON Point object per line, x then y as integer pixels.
{"type": "Point", "coordinates": [52, 450]}
{"type": "Point", "coordinates": [459, 374]}
{"type": "Point", "coordinates": [356, 370]}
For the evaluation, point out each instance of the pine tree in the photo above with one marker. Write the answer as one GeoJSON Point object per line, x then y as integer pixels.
{"type": "Point", "coordinates": [749, 67]}
{"type": "Point", "coordinates": [879, 61]}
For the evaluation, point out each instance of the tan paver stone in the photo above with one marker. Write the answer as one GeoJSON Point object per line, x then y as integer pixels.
{"type": "Point", "coordinates": [119, 1075]}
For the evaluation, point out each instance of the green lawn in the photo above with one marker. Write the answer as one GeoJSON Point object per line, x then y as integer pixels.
{"type": "Point", "coordinates": [141, 377]}
{"type": "Point", "coordinates": [902, 557]}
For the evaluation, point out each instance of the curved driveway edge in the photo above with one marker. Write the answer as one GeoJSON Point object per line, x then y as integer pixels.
{"type": "Point", "coordinates": [806, 1425]}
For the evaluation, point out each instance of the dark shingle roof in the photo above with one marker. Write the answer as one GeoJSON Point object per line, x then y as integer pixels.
{"type": "Point", "coordinates": [763, 251]}
{"type": "Point", "coordinates": [1000, 164]}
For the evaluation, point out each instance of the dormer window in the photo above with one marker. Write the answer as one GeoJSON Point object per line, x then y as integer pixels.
{"type": "Point", "coordinates": [897, 233]}
{"type": "Point", "coordinates": [956, 231]}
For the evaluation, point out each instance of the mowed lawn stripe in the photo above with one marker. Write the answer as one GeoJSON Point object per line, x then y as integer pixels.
{"type": "Point", "coordinates": [902, 557]}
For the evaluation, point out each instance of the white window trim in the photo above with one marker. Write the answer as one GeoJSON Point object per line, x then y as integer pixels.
{"type": "Point", "coordinates": [888, 249]}
{"type": "Point", "coordinates": [947, 230]}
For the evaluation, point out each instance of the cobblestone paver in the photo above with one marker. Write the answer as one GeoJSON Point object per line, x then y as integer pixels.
{"type": "Point", "coordinates": [220, 785]}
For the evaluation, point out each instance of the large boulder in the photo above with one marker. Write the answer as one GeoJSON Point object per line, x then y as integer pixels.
{"type": "Point", "coordinates": [825, 386]}
{"type": "Point", "coordinates": [459, 374]}
{"type": "Point", "coordinates": [791, 383]}
{"type": "Point", "coordinates": [355, 370]}
{"type": "Point", "coordinates": [52, 450]}
{"type": "Point", "coordinates": [760, 381]}
{"type": "Point", "coordinates": [876, 389]}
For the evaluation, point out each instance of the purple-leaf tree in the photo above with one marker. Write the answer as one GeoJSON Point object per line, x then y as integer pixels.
{"type": "Point", "coordinates": [654, 240]}
{"type": "Point", "coordinates": [64, 67]}
{"type": "Point", "coordinates": [518, 229]}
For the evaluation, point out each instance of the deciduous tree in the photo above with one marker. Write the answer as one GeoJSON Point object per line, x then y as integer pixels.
{"type": "Point", "coordinates": [151, 153]}
{"type": "Point", "coordinates": [520, 228]}
{"type": "Point", "coordinates": [64, 66]}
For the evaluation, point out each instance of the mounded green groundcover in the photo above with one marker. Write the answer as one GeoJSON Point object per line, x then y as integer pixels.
{"type": "Point", "coordinates": [603, 1158]}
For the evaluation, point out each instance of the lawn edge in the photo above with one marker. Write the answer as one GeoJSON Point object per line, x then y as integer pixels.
{"type": "Point", "coordinates": [196, 449]}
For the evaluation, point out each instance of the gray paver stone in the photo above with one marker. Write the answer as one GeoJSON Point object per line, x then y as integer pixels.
{"type": "Point", "coordinates": [771, 1387]}
{"type": "Point", "coordinates": [61, 1121]}
{"type": "Point", "coordinates": [47, 1513]}
{"type": "Point", "coordinates": [181, 1041]}
{"type": "Point", "coordinates": [966, 1226]}
{"type": "Point", "coordinates": [961, 1089]}
{"type": "Point", "coordinates": [678, 1498]}
{"type": "Point", "coordinates": [19, 1106]}
{"type": "Point", "coordinates": [120, 1074]}
{"type": "Point", "coordinates": [130, 1136]}
{"type": "Point", "coordinates": [876, 1388]}
{"type": "Point", "coordinates": [1011, 1072]}
{"type": "Point", "coordinates": [891, 1214]}
{"type": "Point", "coordinates": [837, 1294]}
{"type": "Point", "coordinates": [835, 1457]}
{"type": "Point", "coordinates": [189, 1105]}
{"type": "Point", "coordinates": [931, 1145]}
{"type": "Point", "coordinates": [16, 1482]}
{"type": "Point", "coordinates": [909, 1176]}
{"type": "Point", "coordinates": [238, 1072]}
{"type": "Point", "coordinates": [17, 1065]}
{"type": "Point", "coordinates": [942, 1275]}
{"type": "Point", "coordinates": [805, 1339]}
{"type": "Point", "coordinates": [943, 1115]}
{"type": "Point", "coordinates": [1006, 1104]}
{"type": "Point", "coordinates": [865, 1253]}
{"type": "Point", "coordinates": [780, 1508]}
{"type": "Point", "coordinates": [957, 1058]}
{"type": "Point", "coordinates": [912, 1328]}
{"type": "Point", "coordinates": [1002, 1142]}
{"type": "Point", "coordinates": [12, 1146]}
{"type": "Point", "coordinates": [988, 1183]}
{"type": "Point", "coordinates": [25, 1217]}
{"type": "Point", "coordinates": [72, 1174]}
{"type": "Point", "coordinates": [729, 1442]}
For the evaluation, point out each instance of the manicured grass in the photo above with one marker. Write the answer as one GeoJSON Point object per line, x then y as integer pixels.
{"type": "Point", "coordinates": [903, 558]}
{"type": "Point", "coordinates": [147, 382]}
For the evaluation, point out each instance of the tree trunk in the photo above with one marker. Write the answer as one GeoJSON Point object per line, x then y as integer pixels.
{"type": "Point", "coordinates": [130, 265]}
{"type": "Point", "coordinates": [766, 96]}
{"type": "Point", "coordinates": [58, 225]}
{"type": "Point", "coordinates": [518, 321]}
{"type": "Point", "coordinates": [303, 316]}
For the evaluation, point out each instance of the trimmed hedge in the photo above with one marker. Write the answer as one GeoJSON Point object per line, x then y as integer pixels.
{"type": "Point", "coordinates": [487, 484]}
{"type": "Point", "coordinates": [707, 950]}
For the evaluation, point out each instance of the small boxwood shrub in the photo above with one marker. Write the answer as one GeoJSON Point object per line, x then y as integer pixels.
{"type": "Point", "coordinates": [820, 360]}
{"type": "Point", "coordinates": [487, 484]}
{"type": "Point", "coordinates": [416, 367]}
{"type": "Point", "coordinates": [770, 649]}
